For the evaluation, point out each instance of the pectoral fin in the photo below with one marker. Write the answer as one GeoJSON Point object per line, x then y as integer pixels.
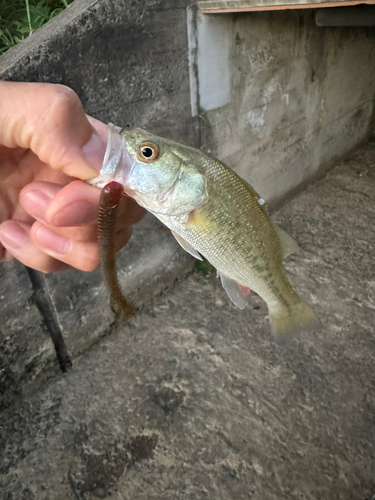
{"type": "Point", "coordinates": [237, 293]}
{"type": "Point", "coordinates": [186, 246]}
{"type": "Point", "coordinates": [288, 244]}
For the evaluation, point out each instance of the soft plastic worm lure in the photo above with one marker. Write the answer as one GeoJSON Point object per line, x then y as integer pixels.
{"type": "Point", "coordinates": [109, 199]}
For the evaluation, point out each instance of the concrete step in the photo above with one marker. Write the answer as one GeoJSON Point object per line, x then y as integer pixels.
{"type": "Point", "coordinates": [194, 399]}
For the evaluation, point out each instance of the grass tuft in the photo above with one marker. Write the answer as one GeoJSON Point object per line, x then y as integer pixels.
{"type": "Point", "coordinates": [204, 267]}
{"type": "Point", "coordinates": [19, 18]}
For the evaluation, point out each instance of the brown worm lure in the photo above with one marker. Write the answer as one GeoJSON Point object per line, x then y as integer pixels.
{"type": "Point", "coordinates": [109, 199]}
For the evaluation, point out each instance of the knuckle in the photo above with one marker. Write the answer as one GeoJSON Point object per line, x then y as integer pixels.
{"type": "Point", "coordinates": [90, 264]}
{"type": "Point", "coordinates": [89, 268]}
{"type": "Point", "coordinates": [53, 266]}
{"type": "Point", "coordinates": [65, 95]}
{"type": "Point", "coordinates": [5, 256]}
{"type": "Point", "coordinates": [63, 102]}
{"type": "Point", "coordinates": [46, 268]}
{"type": "Point", "coordinates": [62, 116]}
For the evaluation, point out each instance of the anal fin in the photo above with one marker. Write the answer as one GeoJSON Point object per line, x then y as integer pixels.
{"type": "Point", "coordinates": [237, 293]}
{"type": "Point", "coordinates": [186, 246]}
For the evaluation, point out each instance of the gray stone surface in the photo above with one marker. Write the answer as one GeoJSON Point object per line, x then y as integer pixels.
{"type": "Point", "coordinates": [27, 355]}
{"type": "Point", "coordinates": [194, 399]}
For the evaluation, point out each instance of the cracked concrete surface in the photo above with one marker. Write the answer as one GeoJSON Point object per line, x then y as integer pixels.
{"type": "Point", "coordinates": [193, 399]}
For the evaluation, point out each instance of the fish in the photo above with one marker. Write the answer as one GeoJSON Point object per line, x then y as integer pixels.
{"type": "Point", "coordinates": [212, 213]}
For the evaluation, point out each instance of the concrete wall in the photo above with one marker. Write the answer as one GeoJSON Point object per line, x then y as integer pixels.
{"type": "Point", "coordinates": [269, 93]}
{"type": "Point", "coordinates": [279, 98]}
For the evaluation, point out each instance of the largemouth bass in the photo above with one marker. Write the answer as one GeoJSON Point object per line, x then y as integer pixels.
{"type": "Point", "coordinates": [214, 213]}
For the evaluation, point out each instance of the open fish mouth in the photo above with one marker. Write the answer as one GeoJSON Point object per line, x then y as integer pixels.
{"type": "Point", "coordinates": [117, 162]}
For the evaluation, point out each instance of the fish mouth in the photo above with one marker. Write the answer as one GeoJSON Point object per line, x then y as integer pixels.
{"type": "Point", "coordinates": [117, 162]}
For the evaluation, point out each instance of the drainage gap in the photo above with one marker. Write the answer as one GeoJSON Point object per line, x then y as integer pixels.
{"type": "Point", "coordinates": [46, 308]}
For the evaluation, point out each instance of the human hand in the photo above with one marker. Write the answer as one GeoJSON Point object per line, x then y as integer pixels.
{"type": "Point", "coordinates": [48, 146]}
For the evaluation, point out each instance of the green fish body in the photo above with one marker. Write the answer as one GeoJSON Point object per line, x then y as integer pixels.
{"type": "Point", "coordinates": [212, 212]}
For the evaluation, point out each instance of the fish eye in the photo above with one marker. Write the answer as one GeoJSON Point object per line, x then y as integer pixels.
{"type": "Point", "coordinates": [147, 152]}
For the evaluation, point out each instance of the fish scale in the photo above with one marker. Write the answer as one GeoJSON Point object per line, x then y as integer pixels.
{"type": "Point", "coordinates": [239, 251]}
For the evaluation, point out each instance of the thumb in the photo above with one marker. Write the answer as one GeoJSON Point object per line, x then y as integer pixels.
{"type": "Point", "coordinates": [49, 119]}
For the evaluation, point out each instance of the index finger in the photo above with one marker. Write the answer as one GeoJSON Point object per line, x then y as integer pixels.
{"type": "Point", "coordinates": [49, 119]}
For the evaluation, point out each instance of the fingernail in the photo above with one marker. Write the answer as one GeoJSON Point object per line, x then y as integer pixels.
{"type": "Point", "coordinates": [76, 214]}
{"type": "Point", "coordinates": [52, 241]}
{"type": "Point", "coordinates": [93, 151]}
{"type": "Point", "coordinates": [37, 203]}
{"type": "Point", "coordinates": [13, 235]}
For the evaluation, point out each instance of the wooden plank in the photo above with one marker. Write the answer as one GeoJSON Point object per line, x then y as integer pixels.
{"type": "Point", "coordinates": [227, 6]}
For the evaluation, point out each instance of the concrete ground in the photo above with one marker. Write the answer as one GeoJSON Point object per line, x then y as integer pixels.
{"type": "Point", "coordinates": [193, 399]}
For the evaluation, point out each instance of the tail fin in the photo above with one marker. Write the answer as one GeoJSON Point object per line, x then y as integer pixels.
{"type": "Point", "coordinates": [286, 323]}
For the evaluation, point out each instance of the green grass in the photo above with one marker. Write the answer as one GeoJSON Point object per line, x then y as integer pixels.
{"type": "Point", "coordinates": [204, 267]}
{"type": "Point", "coordinates": [19, 18]}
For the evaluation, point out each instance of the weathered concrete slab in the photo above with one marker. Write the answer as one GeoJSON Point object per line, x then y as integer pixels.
{"type": "Point", "coordinates": [194, 399]}
{"type": "Point", "coordinates": [27, 355]}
